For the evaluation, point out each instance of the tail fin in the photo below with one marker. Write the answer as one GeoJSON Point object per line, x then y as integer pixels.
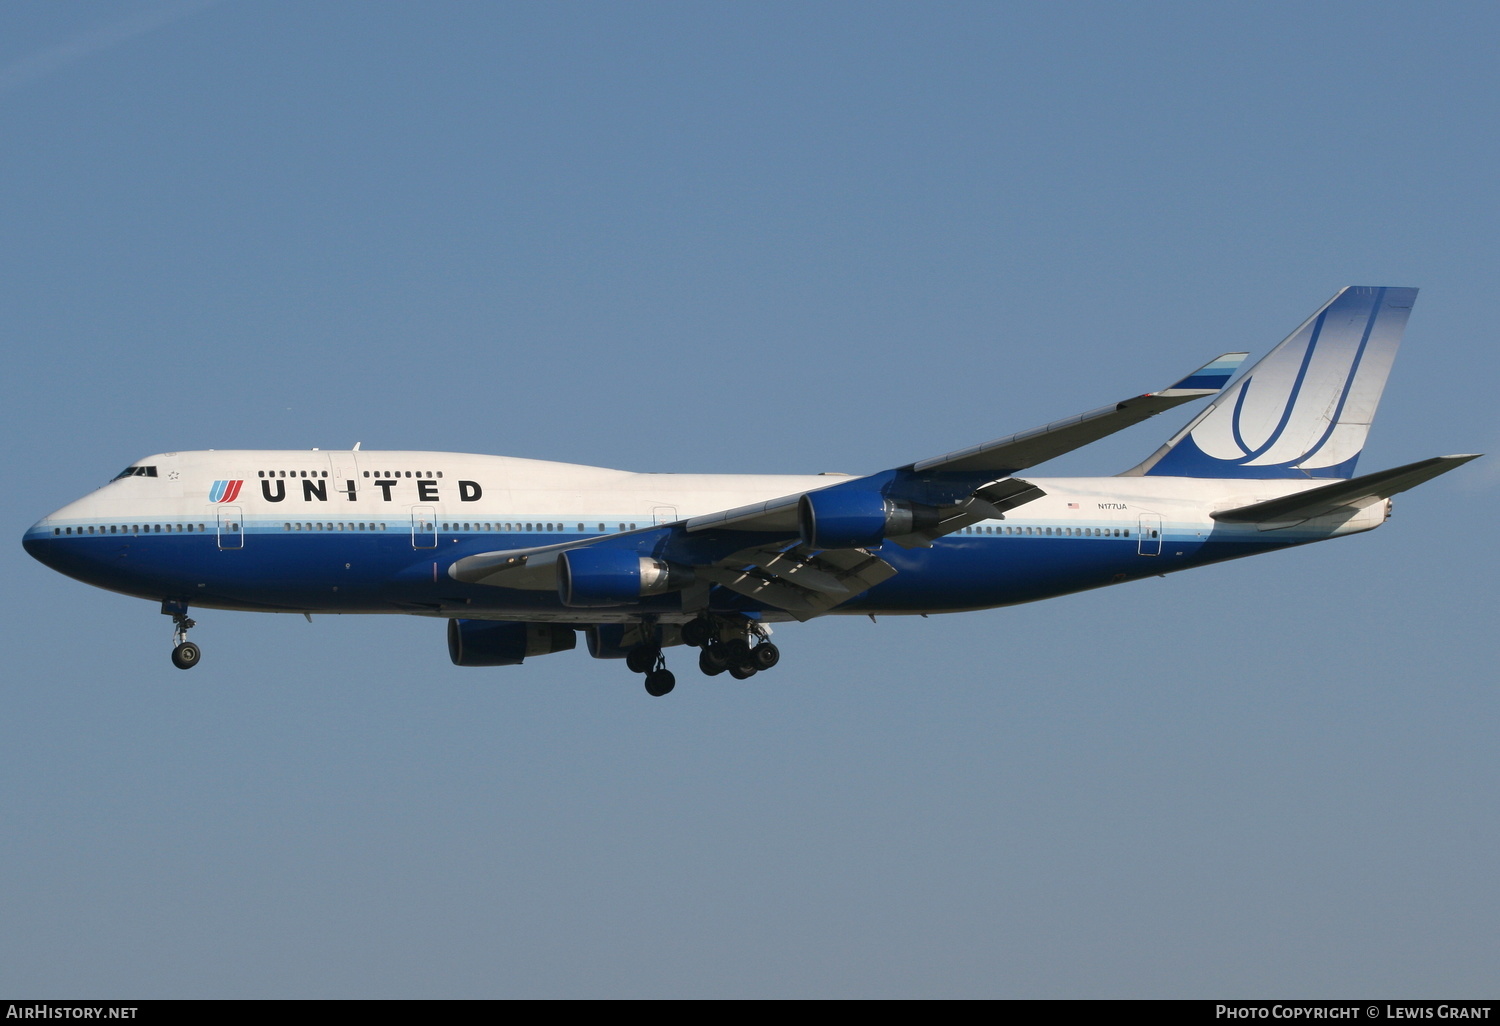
{"type": "Point", "coordinates": [1304, 410]}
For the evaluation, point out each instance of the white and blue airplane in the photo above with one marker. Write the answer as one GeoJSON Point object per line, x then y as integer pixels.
{"type": "Point", "coordinates": [520, 556]}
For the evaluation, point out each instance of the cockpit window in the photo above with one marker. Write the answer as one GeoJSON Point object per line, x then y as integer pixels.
{"type": "Point", "coordinates": [136, 472]}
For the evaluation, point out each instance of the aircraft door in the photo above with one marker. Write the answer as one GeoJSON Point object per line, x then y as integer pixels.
{"type": "Point", "coordinates": [231, 527]}
{"type": "Point", "coordinates": [1148, 538]}
{"type": "Point", "coordinates": [663, 514]}
{"type": "Point", "coordinates": [423, 527]}
{"type": "Point", "coordinates": [343, 469]}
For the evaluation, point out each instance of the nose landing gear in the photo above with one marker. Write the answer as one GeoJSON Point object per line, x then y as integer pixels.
{"type": "Point", "coordinates": [185, 654]}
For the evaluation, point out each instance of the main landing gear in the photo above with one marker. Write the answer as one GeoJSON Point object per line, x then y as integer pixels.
{"type": "Point", "coordinates": [648, 659]}
{"type": "Point", "coordinates": [185, 654]}
{"type": "Point", "coordinates": [725, 644]}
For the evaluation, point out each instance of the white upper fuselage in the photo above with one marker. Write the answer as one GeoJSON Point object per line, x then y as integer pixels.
{"type": "Point", "coordinates": [297, 487]}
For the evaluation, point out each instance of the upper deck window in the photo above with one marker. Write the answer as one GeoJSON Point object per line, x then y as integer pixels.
{"type": "Point", "coordinates": [136, 472]}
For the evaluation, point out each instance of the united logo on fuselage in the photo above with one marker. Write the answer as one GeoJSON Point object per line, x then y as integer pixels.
{"type": "Point", "coordinates": [225, 491]}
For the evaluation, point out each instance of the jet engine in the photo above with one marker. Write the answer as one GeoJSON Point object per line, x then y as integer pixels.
{"type": "Point", "coordinates": [618, 640]}
{"type": "Point", "coordinates": [837, 519]}
{"type": "Point", "coordinates": [505, 642]}
{"type": "Point", "coordinates": [614, 577]}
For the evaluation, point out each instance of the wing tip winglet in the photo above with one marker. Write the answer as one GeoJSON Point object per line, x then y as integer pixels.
{"type": "Point", "coordinates": [1209, 378]}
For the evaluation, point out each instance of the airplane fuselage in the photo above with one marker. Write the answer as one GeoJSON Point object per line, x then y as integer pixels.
{"type": "Point", "coordinates": [377, 532]}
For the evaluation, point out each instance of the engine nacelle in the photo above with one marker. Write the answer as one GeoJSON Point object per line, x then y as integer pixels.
{"type": "Point", "coordinates": [616, 640]}
{"type": "Point", "coordinates": [613, 577]}
{"type": "Point", "coordinates": [838, 519]}
{"type": "Point", "coordinates": [505, 642]}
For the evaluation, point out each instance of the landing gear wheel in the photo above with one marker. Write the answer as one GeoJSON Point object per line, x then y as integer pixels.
{"type": "Point", "coordinates": [642, 658]}
{"type": "Point", "coordinates": [742, 671]}
{"type": "Point", "coordinates": [715, 655]}
{"type": "Point", "coordinates": [738, 650]}
{"type": "Point", "coordinates": [695, 634]}
{"type": "Point", "coordinates": [186, 655]}
{"type": "Point", "coordinates": [660, 682]}
{"type": "Point", "coordinates": [765, 655]}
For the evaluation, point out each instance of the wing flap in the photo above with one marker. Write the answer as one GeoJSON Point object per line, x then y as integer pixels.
{"type": "Point", "coordinates": [802, 582]}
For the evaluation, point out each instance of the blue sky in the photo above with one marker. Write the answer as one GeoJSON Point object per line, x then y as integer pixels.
{"type": "Point", "coordinates": [769, 238]}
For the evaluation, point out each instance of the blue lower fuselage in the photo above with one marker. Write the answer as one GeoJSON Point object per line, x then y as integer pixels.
{"type": "Point", "coordinates": [381, 572]}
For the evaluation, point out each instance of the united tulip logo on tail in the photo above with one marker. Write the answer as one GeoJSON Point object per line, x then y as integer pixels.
{"type": "Point", "coordinates": [224, 491]}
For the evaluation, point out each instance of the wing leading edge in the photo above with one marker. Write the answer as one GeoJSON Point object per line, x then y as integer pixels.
{"type": "Point", "coordinates": [1028, 448]}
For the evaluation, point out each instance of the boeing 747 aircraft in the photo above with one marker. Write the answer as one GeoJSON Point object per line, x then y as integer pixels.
{"type": "Point", "coordinates": [521, 556]}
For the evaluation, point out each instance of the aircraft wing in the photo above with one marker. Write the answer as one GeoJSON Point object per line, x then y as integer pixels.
{"type": "Point", "coordinates": [780, 571]}
{"type": "Point", "coordinates": [1004, 456]}
{"type": "Point", "coordinates": [811, 551]}
{"type": "Point", "coordinates": [1028, 448]}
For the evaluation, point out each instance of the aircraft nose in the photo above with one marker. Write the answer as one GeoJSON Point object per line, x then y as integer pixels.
{"type": "Point", "coordinates": [93, 561]}
{"type": "Point", "coordinates": [38, 542]}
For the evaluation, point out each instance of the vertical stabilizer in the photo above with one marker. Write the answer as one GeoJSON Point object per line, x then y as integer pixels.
{"type": "Point", "coordinates": [1304, 410]}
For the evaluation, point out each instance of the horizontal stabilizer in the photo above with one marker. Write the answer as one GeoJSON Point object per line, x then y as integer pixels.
{"type": "Point", "coordinates": [1330, 498]}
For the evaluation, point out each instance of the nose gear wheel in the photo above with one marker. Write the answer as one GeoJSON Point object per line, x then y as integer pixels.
{"type": "Point", "coordinates": [185, 654]}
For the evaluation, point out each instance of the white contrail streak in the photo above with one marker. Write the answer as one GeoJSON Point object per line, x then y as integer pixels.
{"type": "Point", "coordinates": [100, 37]}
